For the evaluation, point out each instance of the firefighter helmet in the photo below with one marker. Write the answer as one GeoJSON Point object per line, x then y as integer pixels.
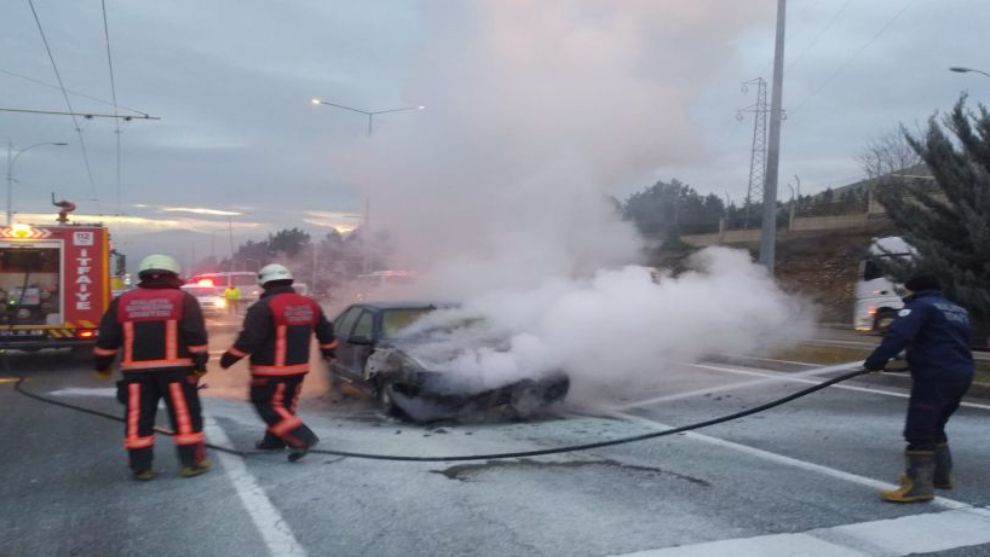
{"type": "Point", "coordinates": [159, 263]}
{"type": "Point", "coordinates": [273, 272]}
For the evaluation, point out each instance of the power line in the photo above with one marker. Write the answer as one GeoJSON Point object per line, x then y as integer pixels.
{"type": "Point", "coordinates": [76, 93]}
{"type": "Point", "coordinates": [820, 34]}
{"type": "Point", "coordinates": [86, 115]}
{"type": "Point", "coordinates": [113, 92]}
{"type": "Point", "coordinates": [853, 56]}
{"type": "Point", "coordinates": [68, 103]}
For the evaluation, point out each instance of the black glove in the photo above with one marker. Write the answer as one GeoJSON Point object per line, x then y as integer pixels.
{"type": "Point", "coordinates": [103, 365]}
{"type": "Point", "coordinates": [228, 360]}
{"type": "Point", "coordinates": [199, 363]}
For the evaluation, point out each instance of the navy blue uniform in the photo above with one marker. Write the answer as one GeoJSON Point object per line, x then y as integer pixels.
{"type": "Point", "coordinates": [936, 334]}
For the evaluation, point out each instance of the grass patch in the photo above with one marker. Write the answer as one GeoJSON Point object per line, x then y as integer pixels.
{"type": "Point", "coordinates": [832, 355]}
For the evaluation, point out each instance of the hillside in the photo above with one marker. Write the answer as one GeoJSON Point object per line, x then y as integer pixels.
{"type": "Point", "coordinates": [821, 266]}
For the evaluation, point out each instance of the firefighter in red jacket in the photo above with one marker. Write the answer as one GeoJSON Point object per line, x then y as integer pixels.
{"type": "Point", "coordinates": [276, 334]}
{"type": "Point", "coordinates": [160, 331]}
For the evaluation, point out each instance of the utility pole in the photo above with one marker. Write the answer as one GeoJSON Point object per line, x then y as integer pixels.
{"type": "Point", "coordinates": [768, 236]}
{"type": "Point", "coordinates": [758, 154]}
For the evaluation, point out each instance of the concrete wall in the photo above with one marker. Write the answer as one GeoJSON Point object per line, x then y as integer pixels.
{"type": "Point", "coordinates": [801, 224]}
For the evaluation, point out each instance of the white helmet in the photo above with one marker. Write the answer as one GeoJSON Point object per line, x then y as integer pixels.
{"type": "Point", "coordinates": [160, 263]}
{"type": "Point", "coordinates": [272, 272]}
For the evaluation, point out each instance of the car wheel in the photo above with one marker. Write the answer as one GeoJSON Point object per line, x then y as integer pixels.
{"type": "Point", "coordinates": [386, 397]}
{"type": "Point", "coordinates": [883, 320]}
{"type": "Point", "coordinates": [526, 398]}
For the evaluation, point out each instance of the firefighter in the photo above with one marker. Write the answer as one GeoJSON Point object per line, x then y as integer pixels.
{"type": "Point", "coordinates": [936, 334]}
{"type": "Point", "coordinates": [276, 334]}
{"type": "Point", "coordinates": [160, 331]}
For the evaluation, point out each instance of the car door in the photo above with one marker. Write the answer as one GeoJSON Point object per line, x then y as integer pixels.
{"type": "Point", "coordinates": [361, 343]}
{"type": "Point", "coordinates": [343, 326]}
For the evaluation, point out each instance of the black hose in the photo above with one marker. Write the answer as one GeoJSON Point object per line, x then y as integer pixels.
{"type": "Point", "coordinates": [18, 386]}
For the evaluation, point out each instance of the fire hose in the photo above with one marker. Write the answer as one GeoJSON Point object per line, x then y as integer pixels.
{"type": "Point", "coordinates": [19, 387]}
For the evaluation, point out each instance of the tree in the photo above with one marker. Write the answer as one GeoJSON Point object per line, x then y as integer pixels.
{"type": "Point", "coordinates": [288, 241]}
{"type": "Point", "coordinates": [888, 154]}
{"type": "Point", "coordinates": [665, 210]}
{"type": "Point", "coordinates": [950, 226]}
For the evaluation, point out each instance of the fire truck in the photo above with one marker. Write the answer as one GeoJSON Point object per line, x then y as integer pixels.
{"type": "Point", "coordinates": [55, 284]}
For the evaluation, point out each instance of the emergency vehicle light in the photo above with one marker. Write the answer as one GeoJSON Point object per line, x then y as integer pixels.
{"type": "Point", "coordinates": [205, 282]}
{"type": "Point", "coordinates": [21, 230]}
{"type": "Point", "coordinates": [86, 333]}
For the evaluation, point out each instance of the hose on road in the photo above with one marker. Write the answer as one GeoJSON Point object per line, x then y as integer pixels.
{"type": "Point", "coordinates": [19, 387]}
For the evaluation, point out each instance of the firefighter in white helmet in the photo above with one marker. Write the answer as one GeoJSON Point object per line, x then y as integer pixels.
{"type": "Point", "coordinates": [276, 334]}
{"type": "Point", "coordinates": [161, 333]}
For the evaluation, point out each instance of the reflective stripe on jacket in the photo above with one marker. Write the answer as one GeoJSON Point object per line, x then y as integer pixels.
{"type": "Point", "coordinates": [277, 332]}
{"type": "Point", "coordinates": [154, 327]}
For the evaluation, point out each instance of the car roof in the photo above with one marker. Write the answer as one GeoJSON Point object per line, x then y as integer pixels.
{"type": "Point", "coordinates": [406, 305]}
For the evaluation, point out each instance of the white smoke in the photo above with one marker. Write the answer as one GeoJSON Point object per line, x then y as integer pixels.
{"type": "Point", "coordinates": [497, 193]}
{"type": "Point", "coordinates": [618, 330]}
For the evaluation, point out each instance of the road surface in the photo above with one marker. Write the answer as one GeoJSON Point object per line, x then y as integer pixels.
{"type": "Point", "coordinates": [801, 479]}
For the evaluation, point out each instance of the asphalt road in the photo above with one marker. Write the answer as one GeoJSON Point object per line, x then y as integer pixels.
{"type": "Point", "coordinates": [797, 480]}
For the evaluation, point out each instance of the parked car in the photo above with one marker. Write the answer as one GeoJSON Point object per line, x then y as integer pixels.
{"type": "Point", "coordinates": [382, 355]}
{"type": "Point", "coordinates": [210, 298]}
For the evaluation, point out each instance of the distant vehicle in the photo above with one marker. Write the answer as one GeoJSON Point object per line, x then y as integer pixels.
{"type": "Point", "coordinates": [368, 284]}
{"type": "Point", "coordinates": [246, 281]}
{"type": "Point", "coordinates": [378, 355]}
{"type": "Point", "coordinates": [878, 298]}
{"type": "Point", "coordinates": [210, 298]}
{"type": "Point", "coordinates": [55, 284]}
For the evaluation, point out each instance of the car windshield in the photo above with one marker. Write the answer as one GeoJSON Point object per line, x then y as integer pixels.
{"type": "Point", "coordinates": [395, 320]}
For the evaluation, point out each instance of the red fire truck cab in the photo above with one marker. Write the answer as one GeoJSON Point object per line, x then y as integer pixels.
{"type": "Point", "coordinates": [54, 285]}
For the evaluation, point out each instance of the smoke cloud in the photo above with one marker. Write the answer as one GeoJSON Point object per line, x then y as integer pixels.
{"type": "Point", "coordinates": [498, 194]}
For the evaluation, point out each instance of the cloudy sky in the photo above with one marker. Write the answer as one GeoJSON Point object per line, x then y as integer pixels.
{"type": "Point", "coordinates": [636, 90]}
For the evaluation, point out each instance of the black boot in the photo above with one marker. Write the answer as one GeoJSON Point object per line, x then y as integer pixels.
{"type": "Point", "coordinates": [308, 440]}
{"type": "Point", "coordinates": [916, 482]}
{"type": "Point", "coordinates": [943, 467]}
{"type": "Point", "coordinates": [270, 443]}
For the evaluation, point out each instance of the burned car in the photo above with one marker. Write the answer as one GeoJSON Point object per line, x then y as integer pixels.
{"type": "Point", "coordinates": [412, 369]}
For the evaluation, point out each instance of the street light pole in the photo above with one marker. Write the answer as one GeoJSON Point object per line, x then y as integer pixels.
{"type": "Point", "coordinates": [366, 233]}
{"type": "Point", "coordinates": [11, 159]}
{"type": "Point", "coordinates": [369, 113]}
{"type": "Point", "coordinates": [768, 236]}
{"type": "Point", "coordinates": [960, 69]}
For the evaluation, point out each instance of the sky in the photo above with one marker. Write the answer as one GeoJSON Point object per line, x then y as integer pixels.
{"type": "Point", "coordinates": [620, 94]}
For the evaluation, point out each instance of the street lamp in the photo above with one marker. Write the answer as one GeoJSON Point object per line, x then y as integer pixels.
{"type": "Point", "coordinates": [960, 69]}
{"type": "Point", "coordinates": [366, 232]}
{"type": "Point", "coordinates": [369, 113]}
{"type": "Point", "coordinates": [11, 159]}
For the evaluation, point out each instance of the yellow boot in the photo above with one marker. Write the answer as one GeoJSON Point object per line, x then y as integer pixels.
{"type": "Point", "coordinates": [201, 467]}
{"type": "Point", "coordinates": [916, 482]}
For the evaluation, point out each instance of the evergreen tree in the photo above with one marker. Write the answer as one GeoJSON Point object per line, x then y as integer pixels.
{"type": "Point", "coordinates": [949, 226]}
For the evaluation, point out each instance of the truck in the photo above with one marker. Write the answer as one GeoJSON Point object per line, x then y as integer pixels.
{"type": "Point", "coordinates": [878, 298]}
{"type": "Point", "coordinates": [55, 284]}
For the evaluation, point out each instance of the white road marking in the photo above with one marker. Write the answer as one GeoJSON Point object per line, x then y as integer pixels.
{"type": "Point", "coordinates": [273, 528]}
{"type": "Point", "coordinates": [789, 461]}
{"type": "Point", "coordinates": [784, 376]}
{"type": "Point", "coordinates": [85, 391]}
{"type": "Point", "coordinates": [896, 537]}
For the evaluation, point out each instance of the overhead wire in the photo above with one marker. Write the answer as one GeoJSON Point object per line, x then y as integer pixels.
{"type": "Point", "coordinates": [68, 103]}
{"type": "Point", "coordinates": [113, 92]}
{"type": "Point", "coordinates": [845, 63]}
{"type": "Point", "coordinates": [72, 92]}
{"type": "Point", "coordinates": [820, 34]}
